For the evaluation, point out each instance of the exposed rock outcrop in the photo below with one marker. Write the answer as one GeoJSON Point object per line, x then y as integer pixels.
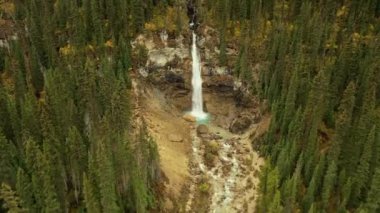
{"type": "Point", "coordinates": [172, 77]}
{"type": "Point", "coordinates": [160, 58]}
{"type": "Point", "coordinates": [244, 99]}
{"type": "Point", "coordinates": [220, 83]}
{"type": "Point", "coordinates": [241, 123]}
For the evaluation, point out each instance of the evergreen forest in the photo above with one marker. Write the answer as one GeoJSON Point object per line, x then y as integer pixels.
{"type": "Point", "coordinates": [73, 137]}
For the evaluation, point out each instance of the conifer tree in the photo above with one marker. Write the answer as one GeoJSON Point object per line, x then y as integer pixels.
{"type": "Point", "coordinates": [373, 202]}
{"type": "Point", "coordinates": [138, 17]}
{"type": "Point", "coordinates": [34, 163]}
{"type": "Point", "coordinates": [14, 121]}
{"type": "Point", "coordinates": [362, 173]}
{"type": "Point", "coordinates": [29, 123]}
{"type": "Point", "coordinates": [36, 30]}
{"type": "Point", "coordinates": [313, 208]}
{"type": "Point", "coordinates": [36, 71]}
{"type": "Point", "coordinates": [5, 122]}
{"type": "Point", "coordinates": [92, 202]}
{"type": "Point", "coordinates": [275, 205]}
{"type": "Point", "coordinates": [290, 101]}
{"type": "Point", "coordinates": [48, 27]}
{"type": "Point", "coordinates": [93, 190]}
{"type": "Point", "coordinates": [223, 14]}
{"type": "Point", "coordinates": [24, 188]}
{"type": "Point", "coordinates": [343, 123]}
{"type": "Point", "coordinates": [268, 188]}
{"type": "Point", "coordinates": [88, 19]}
{"type": "Point", "coordinates": [106, 180]}
{"type": "Point", "coordinates": [77, 158]}
{"type": "Point", "coordinates": [328, 183]}
{"type": "Point", "coordinates": [314, 184]}
{"type": "Point", "coordinates": [51, 202]}
{"type": "Point", "coordinates": [97, 23]}
{"type": "Point", "coordinates": [7, 155]}
{"type": "Point", "coordinates": [375, 163]}
{"type": "Point", "coordinates": [12, 201]}
{"type": "Point", "coordinates": [80, 37]}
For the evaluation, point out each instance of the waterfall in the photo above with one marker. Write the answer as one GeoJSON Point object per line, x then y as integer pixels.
{"type": "Point", "coordinates": [197, 108]}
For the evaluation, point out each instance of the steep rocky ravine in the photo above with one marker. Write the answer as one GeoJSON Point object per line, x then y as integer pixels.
{"type": "Point", "coordinates": [208, 167]}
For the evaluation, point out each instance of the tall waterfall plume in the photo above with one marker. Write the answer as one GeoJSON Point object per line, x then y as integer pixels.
{"type": "Point", "coordinates": [197, 108]}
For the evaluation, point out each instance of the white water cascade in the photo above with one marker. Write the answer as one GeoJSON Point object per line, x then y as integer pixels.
{"type": "Point", "coordinates": [197, 108]}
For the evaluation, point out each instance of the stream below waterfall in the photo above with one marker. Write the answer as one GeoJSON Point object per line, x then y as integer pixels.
{"type": "Point", "coordinates": [231, 179]}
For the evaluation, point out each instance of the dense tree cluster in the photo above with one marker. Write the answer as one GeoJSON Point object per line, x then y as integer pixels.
{"type": "Point", "coordinates": [320, 69]}
{"type": "Point", "coordinates": [66, 139]}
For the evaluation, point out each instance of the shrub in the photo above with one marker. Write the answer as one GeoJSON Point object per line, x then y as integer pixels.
{"type": "Point", "coordinates": [204, 188]}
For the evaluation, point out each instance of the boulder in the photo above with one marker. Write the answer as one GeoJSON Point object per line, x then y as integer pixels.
{"type": "Point", "coordinates": [240, 124]}
{"type": "Point", "coordinates": [143, 72]}
{"type": "Point", "coordinates": [216, 137]}
{"type": "Point", "coordinates": [202, 130]}
{"type": "Point", "coordinates": [175, 138]}
{"type": "Point", "coordinates": [189, 118]}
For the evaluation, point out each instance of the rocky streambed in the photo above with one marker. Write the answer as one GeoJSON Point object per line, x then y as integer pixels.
{"type": "Point", "coordinates": [224, 171]}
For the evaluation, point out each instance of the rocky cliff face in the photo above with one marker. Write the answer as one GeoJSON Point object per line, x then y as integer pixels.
{"type": "Point", "coordinates": [168, 67]}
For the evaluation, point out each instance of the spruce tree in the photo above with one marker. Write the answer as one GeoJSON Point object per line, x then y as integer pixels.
{"type": "Point", "coordinates": [138, 17]}
{"type": "Point", "coordinates": [275, 205]}
{"type": "Point", "coordinates": [106, 179]}
{"type": "Point", "coordinates": [329, 183]}
{"type": "Point", "coordinates": [12, 201]}
{"type": "Point", "coordinates": [314, 184]}
{"type": "Point", "coordinates": [34, 163]}
{"type": "Point", "coordinates": [290, 101]}
{"type": "Point", "coordinates": [343, 124]}
{"type": "Point", "coordinates": [91, 200]}
{"type": "Point", "coordinates": [373, 202]}
{"type": "Point", "coordinates": [51, 202]}
{"type": "Point", "coordinates": [7, 160]}
{"type": "Point", "coordinates": [345, 195]}
{"type": "Point", "coordinates": [97, 23]}
{"type": "Point", "coordinates": [362, 173]}
{"type": "Point", "coordinates": [24, 188]}
{"type": "Point", "coordinates": [77, 158]}
{"type": "Point", "coordinates": [36, 71]}
{"type": "Point", "coordinates": [36, 30]}
{"type": "Point", "coordinates": [223, 14]}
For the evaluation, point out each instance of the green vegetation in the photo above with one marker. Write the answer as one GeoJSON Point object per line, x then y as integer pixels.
{"type": "Point", "coordinates": [320, 69]}
{"type": "Point", "coordinates": [66, 139]}
{"type": "Point", "coordinates": [204, 188]}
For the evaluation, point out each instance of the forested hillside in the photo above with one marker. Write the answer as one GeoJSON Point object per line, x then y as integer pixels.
{"type": "Point", "coordinates": [66, 137]}
{"type": "Point", "coordinates": [69, 141]}
{"type": "Point", "coordinates": [320, 72]}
